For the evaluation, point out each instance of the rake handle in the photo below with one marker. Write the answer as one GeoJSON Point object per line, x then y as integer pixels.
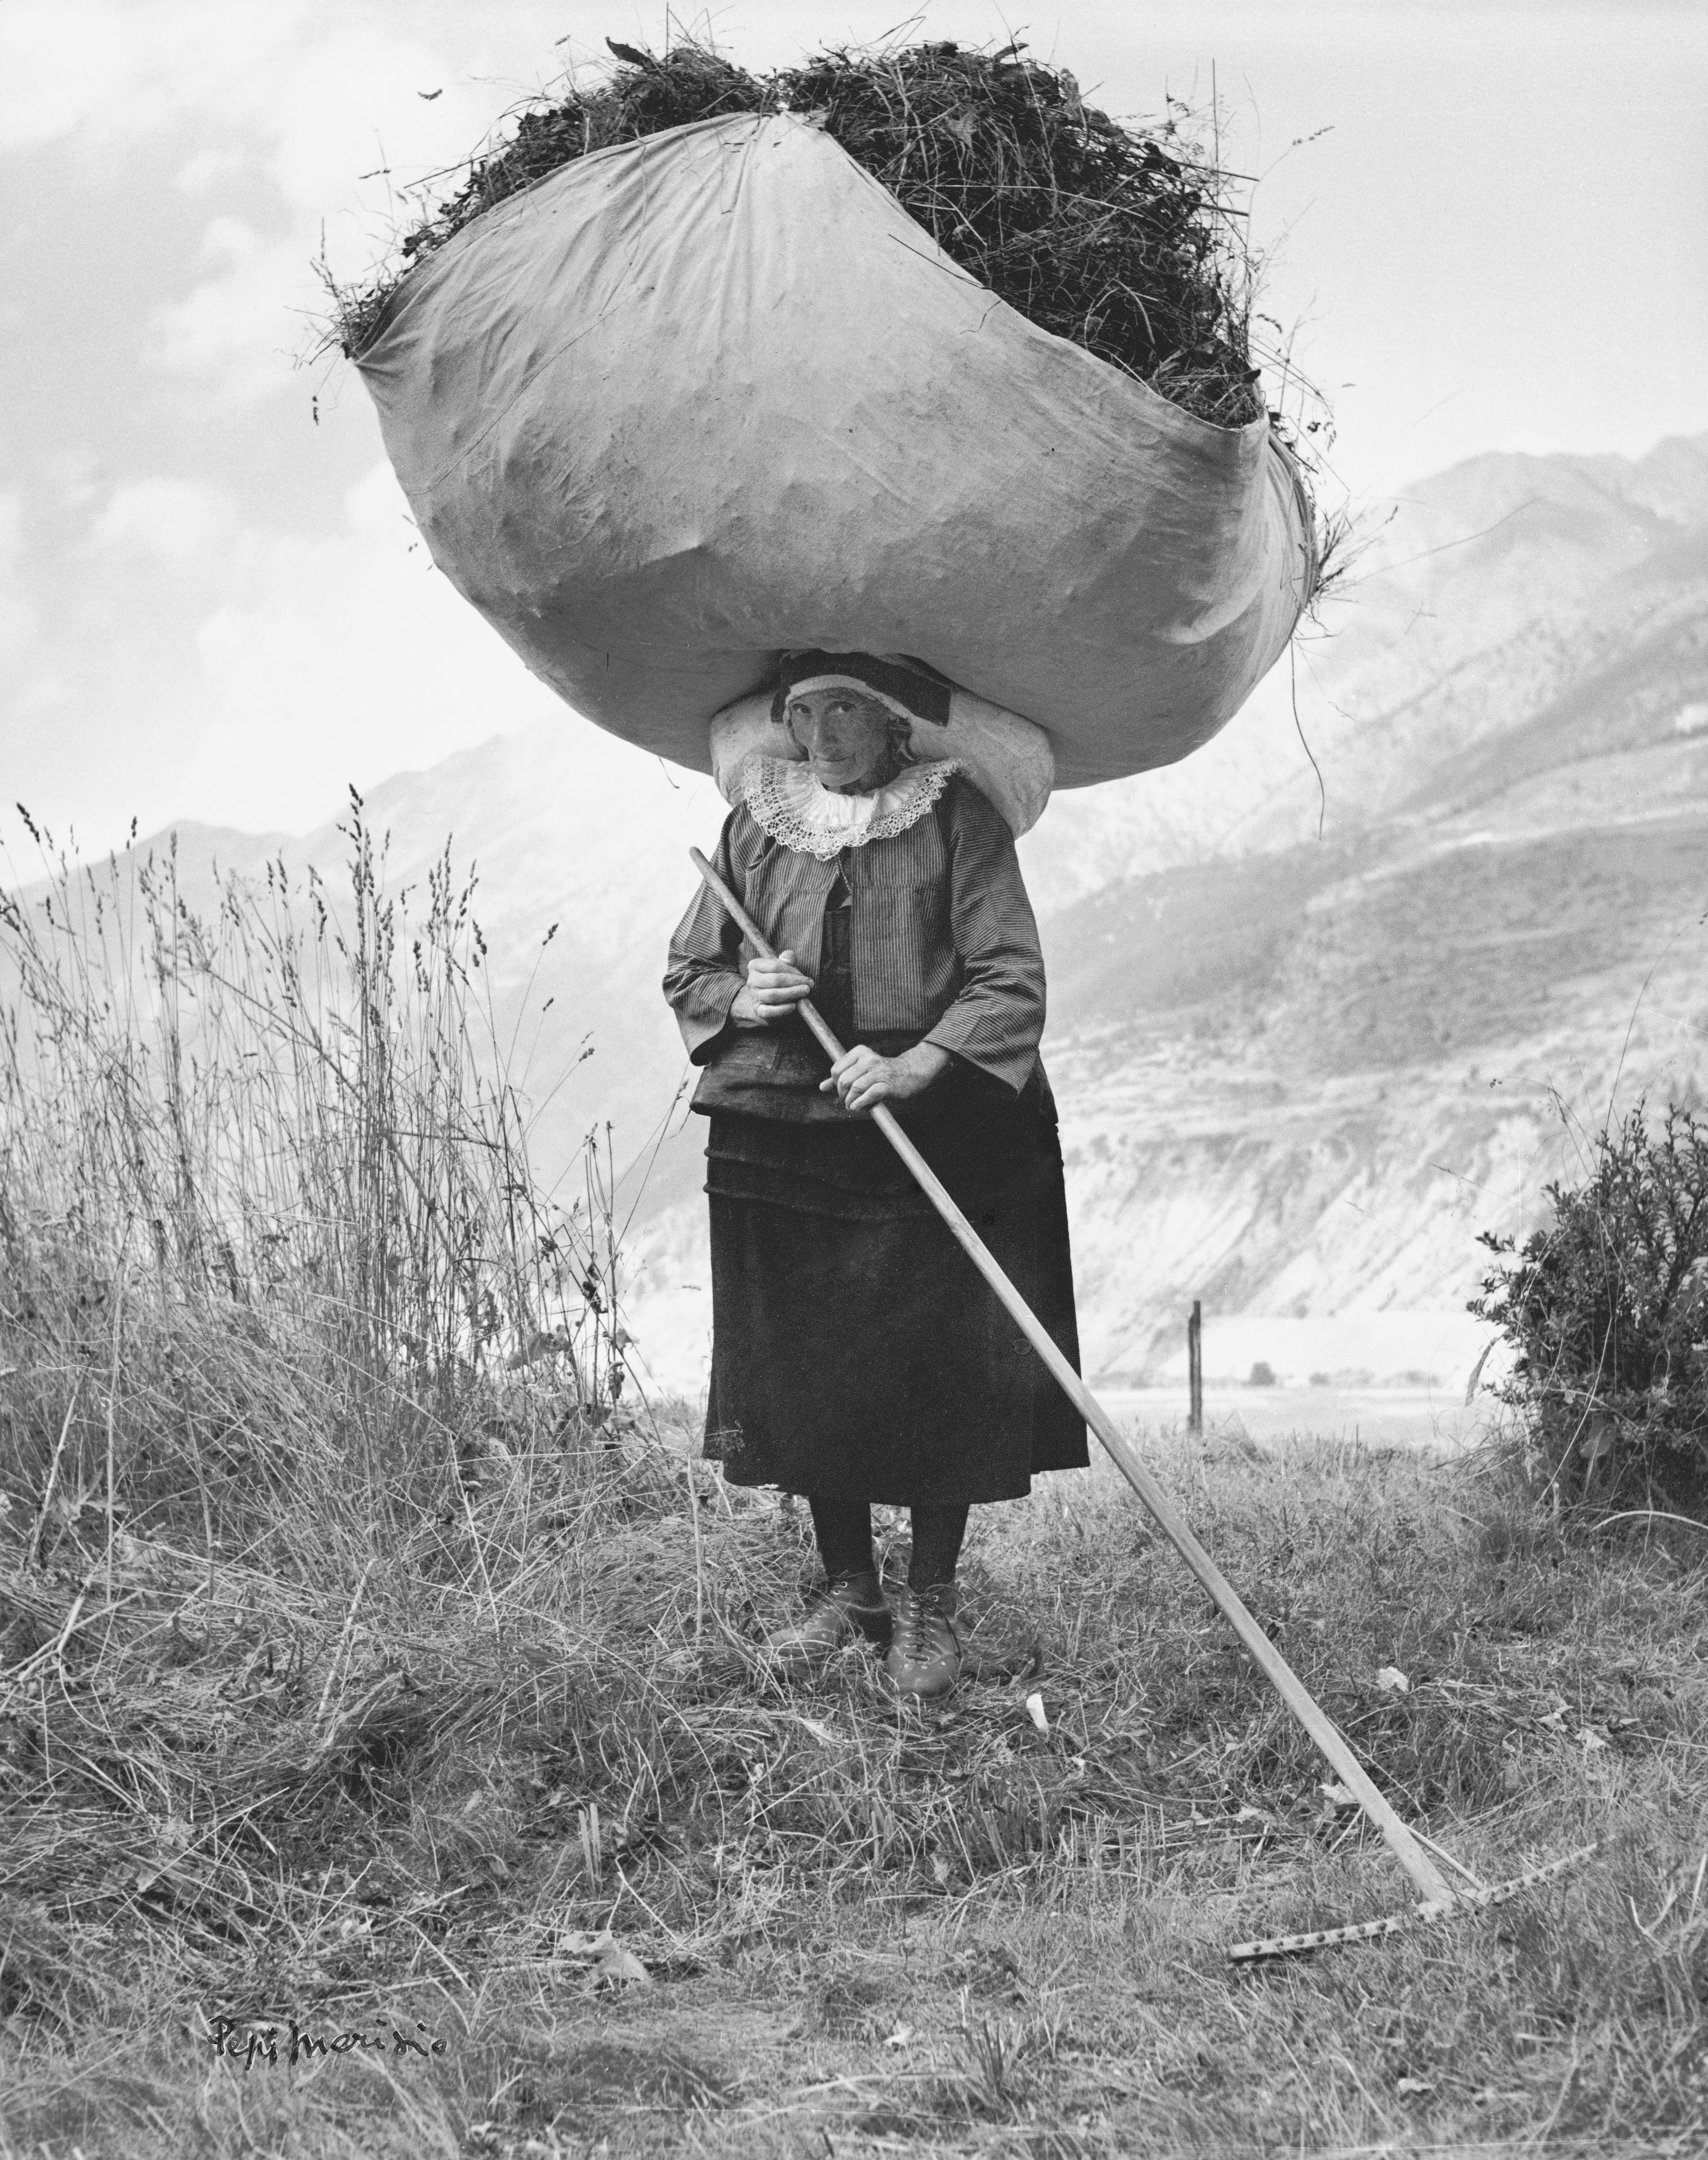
{"type": "Point", "coordinates": [1324, 1733]}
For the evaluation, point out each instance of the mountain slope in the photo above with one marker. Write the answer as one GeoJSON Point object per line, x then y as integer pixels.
{"type": "Point", "coordinates": [1313, 1073]}
{"type": "Point", "coordinates": [1313, 1116]}
{"type": "Point", "coordinates": [1297, 1077]}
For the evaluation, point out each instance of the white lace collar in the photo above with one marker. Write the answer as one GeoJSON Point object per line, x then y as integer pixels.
{"type": "Point", "coordinates": [792, 806]}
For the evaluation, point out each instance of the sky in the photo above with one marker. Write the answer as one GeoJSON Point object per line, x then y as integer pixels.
{"type": "Point", "coordinates": [1483, 225]}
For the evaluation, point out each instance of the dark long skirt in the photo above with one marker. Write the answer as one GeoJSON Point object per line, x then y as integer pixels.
{"type": "Point", "coordinates": [857, 1352]}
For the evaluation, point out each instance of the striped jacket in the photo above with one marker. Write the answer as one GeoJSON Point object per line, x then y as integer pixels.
{"type": "Point", "coordinates": [944, 949]}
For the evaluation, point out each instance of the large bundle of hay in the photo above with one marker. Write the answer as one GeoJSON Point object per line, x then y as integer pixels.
{"type": "Point", "coordinates": [1114, 237]}
{"type": "Point", "coordinates": [675, 381]}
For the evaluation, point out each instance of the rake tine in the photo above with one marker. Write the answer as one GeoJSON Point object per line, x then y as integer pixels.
{"type": "Point", "coordinates": [1458, 1867]}
{"type": "Point", "coordinates": [1438, 1909]}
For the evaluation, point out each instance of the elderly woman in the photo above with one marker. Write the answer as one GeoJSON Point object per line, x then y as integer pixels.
{"type": "Point", "coordinates": [857, 1354]}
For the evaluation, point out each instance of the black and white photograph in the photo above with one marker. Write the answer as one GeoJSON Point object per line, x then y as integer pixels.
{"type": "Point", "coordinates": [854, 1080]}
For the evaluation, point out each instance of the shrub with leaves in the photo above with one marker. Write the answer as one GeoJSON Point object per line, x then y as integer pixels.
{"type": "Point", "coordinates": [1607, 1312]}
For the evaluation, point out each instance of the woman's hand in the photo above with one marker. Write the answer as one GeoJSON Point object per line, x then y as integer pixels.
{"type": "Point", "coordinates": [771, 992]}
{"type": "Point", "coordinates": [864, 1079]}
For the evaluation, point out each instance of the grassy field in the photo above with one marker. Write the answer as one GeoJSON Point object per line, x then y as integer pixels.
{"type": "Point", "coordinates": [378, 1681]}
{"type": "Point", "coordinates": [506, 1776]}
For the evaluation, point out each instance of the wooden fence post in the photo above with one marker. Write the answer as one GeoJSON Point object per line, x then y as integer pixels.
{"type": "Point", "coordinates": [1195, 1368]}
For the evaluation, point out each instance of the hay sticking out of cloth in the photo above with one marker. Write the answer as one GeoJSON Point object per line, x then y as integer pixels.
{"type": "Point", "coordinates": [1116, 238]}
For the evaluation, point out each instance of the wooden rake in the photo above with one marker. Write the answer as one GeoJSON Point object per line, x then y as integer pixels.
{"type": "Point", "coordinates": [1441, 1899]}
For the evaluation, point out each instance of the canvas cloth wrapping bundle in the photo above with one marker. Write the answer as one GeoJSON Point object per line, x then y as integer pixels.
{"type": "Point", "coordinates": [699, 398]}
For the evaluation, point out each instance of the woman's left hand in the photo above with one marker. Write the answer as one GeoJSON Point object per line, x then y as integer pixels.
{"type": "Point", "coordinates": [864, 1079]}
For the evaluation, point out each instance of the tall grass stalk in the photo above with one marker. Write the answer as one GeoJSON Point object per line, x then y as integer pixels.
{"type": "Point", "coordinates": [264, 1188]}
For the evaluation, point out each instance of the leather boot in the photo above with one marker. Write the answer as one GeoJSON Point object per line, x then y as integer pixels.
{"type": "Point", "coordinates": [925, 1651]}
{"type": "Point", "coordinates": [852, 1605]}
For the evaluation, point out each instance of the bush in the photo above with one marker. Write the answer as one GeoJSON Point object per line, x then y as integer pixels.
{"type": "Point", "coordinates": [1607, 1312]}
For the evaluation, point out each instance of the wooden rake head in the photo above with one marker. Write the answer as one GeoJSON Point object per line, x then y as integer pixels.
{"type": "Point", "coordinates": [1473, 1899]}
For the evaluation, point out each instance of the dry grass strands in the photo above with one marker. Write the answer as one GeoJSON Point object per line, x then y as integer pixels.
{"type": "Point", "coordinates": [394, 1695]}
{"type": "Point", "coordinates": [191, 1806]}
{"type": "Point", "coordinates": [1116, 238]}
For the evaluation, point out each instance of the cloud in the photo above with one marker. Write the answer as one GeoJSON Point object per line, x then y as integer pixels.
{"type": "Point", "coordinates": [126, 69]}
{"type": "Point", "coordinates": [297, 88]}
{"type": "Point", "coordinates": [349, 104]}
{"type": "Point", "coordinates": [18, 618]}
{"type": "Point", "coordinates": [235, 330]}
{"type": "Point", "coordinates": [175, 520]}
{"type": "Point", "coordinates": [351, 659]}
{"type": "Point", "coordinates": [320, 107]}
{"type": "Point", "coordinates": [210, 169]}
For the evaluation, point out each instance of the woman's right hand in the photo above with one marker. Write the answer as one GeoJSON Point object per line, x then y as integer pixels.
{"type": "Point", "coordinates": [771, 992]}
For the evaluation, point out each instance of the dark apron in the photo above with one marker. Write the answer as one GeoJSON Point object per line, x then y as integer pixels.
{"type": "Point", "coordinates": [857, 1351]}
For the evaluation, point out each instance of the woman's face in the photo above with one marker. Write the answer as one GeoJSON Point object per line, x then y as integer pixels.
{"type": "Point", "coordinates": [845, 735]}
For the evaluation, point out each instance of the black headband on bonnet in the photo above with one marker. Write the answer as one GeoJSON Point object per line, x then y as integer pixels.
{"type": "Point", "coordinates": [907, 686]}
